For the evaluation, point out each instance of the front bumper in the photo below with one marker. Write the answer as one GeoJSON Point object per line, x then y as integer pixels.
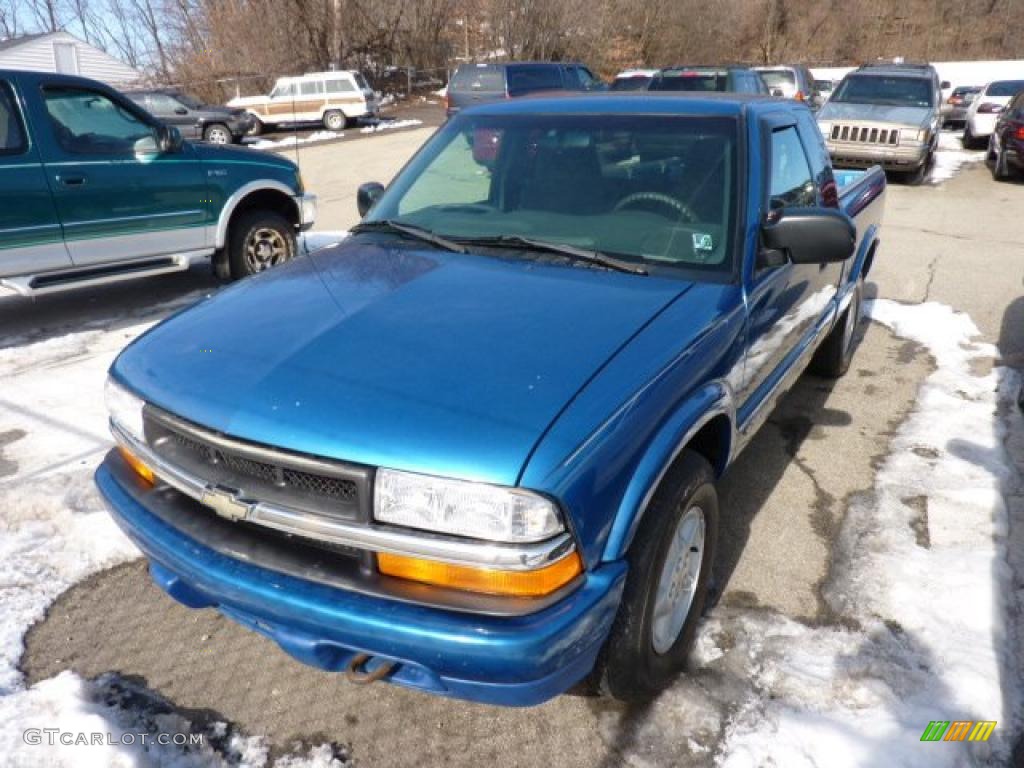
{"type": "Point", "coordinates": [509, 660]}
{"type": "Point", "coordinates": [904, 157]}
{"type": "Point", "coordinates": [307, 203]}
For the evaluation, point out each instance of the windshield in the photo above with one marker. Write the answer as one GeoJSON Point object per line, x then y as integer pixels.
{"type": "Point", "coordinates": [690, 80]}
{"type": "Point", "coordinates": [656, 191]}
{"type": "Point", "coordinates": [631, 83]}
{"type": "Point", "coordinates": [778, 78]}
{"type": "Point", "coordinates": [1005, 88]}
{"type": "Point", "coordinates": [877, 89]}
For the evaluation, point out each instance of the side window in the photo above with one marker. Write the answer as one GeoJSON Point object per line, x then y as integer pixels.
{"type": "Point", "coordinates": [311, 88]}
{"type": "Point", "coordinates": [162, 104]}
{"type": "Point", "coordinates": [581, 78]}
{"type": "Point", "coordinates": [340, 86]}
{"type": "Point", "coordinates": [89, 123]}
{"type": "Point", "coordinates": [284, 91]}
{"type": "Point", "coordinates": [821, 164]}
{"type": "Point", "coordinates": [12, 137]}
{"type": "Point", "coordinates": [790, 184]}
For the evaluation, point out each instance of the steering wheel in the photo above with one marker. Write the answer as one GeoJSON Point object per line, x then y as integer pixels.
{"type": "Point", "coordinates": [686, 213]}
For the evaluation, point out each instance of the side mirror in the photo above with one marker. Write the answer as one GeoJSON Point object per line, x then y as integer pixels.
{"type": "Point", "coordinates": [807, 236]}
{"type": "Point", "coordinates": [180, 111]}
{"type": "Point", "coordinates": [367, 195]}
{"type": "Point", "coordinates": [168, 139]}
{"type": "Point", "coordinates": [944, 84]}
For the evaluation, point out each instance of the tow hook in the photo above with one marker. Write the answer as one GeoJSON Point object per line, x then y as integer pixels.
{"type": "Point", "coordinates": [357, 673]}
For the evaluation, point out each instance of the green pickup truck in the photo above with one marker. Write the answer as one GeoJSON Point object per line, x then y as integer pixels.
{"type": "Point", "coordinates": [93, 189]}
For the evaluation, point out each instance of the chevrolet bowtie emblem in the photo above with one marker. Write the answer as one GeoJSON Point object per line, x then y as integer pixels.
{"type": "Point", "coordinates": [225, 503]}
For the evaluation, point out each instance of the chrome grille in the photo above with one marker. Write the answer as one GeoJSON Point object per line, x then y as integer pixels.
{"type": "Point", "coordinates": [864, 134]}
{"type": "Point", "coordinates": [258, 473]}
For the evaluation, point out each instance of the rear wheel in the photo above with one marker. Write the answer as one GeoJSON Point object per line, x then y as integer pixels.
{"type": "Point", "coordinates": [669, 571]}
{"type": "Point", "coordinates": [835, 354]}
{"type": "Point", "coordinates": [258, 241]}
{"type": "Point", "coordinates": [969, 140]}
{"type": "Point", "coordinates": [334, 120]}
{"type": "Point", "coordinates": [997, 157]}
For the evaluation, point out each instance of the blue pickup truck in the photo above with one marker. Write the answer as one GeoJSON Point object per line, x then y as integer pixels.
{"type": "Point", "coordinates": [473, 448]}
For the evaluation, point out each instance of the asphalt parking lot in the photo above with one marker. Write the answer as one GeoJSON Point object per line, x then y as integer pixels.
{"type": "Point", "coordinates": [957, 243]}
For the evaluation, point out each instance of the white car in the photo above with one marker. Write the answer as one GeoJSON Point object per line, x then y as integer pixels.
{"type": "Point", "coordinates": [335, 99]}
{"type": "Point", "coordinates": [985, 109]}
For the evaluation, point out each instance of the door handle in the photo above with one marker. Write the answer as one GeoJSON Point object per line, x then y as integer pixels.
{"type": "Point", "coordinates": [75, 180]}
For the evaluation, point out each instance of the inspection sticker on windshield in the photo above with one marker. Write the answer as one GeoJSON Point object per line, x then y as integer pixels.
{"type": "Point", "coordinates": [703, 244]}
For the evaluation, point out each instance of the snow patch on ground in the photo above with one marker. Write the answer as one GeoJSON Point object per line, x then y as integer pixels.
{"type": "Point", "coordinates": [388, 125]}
{"type": "Point", "coordinates": [951, 157]}
{"type": "Point", "coordinates": [293, 141]}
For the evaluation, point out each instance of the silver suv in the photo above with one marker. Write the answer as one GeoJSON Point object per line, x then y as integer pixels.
{"type": "Point", "coordinates": [884, 114]}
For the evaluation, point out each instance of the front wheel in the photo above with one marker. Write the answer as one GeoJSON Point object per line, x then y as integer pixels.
{"type": "Point", "coordinates": [669, 571]}
{"type": "Point", "coordinates": [835, 354]}
{"type": "Point", "coordinates": [258, 241]}
{"type": "Point", "coordinates": [1000, 165]}
{"type": "Point", "coordinates": [217, 134]}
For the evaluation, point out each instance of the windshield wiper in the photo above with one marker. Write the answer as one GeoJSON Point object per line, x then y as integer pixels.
{"type": "Point", "coordinates": [390, 225]}
{"type": "Point", "coordinates": [563, 249]}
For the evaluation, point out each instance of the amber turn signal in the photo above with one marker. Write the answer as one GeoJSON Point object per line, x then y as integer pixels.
{"type": "Point", "coordinates": [136, 464]}
{"type": "Point", "coordinates": [542, 581]}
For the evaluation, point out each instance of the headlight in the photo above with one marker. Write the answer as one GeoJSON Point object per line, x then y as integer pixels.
{"type": "Point", "coordinates": [125, 409]}
{"type": "Point", "coordinates": [913, 134]}
{"type": "Point", "coordinates": [463, 508]}
{"type": "Point", "coordinates": [826, 129]}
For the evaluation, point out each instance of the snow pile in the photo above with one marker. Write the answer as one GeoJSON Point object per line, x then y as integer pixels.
{"type": "Point", "coordinates": [918, 587]}
{"type": "Point", "coordinates": [951, 156]}
{"type": "Point", "coordinates": [293, 141]}
{"type": "Point", "coordinates": [387, 125]}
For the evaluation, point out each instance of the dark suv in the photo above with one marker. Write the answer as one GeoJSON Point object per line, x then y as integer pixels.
{"type": "Point", "coordinates": [479, 83]}
{"type": "Point", "coordinates": [726, 79]}
{"type": "Point", "coordinates": [195, 120]}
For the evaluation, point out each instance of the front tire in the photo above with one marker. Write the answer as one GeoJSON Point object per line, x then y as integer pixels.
{"type": "Point", "coordinates": [258, 241]}
{"type": "Point", "coordinates": [667, 585]}
{"type": "Point", "coordinates": [1000, 165]}
{"type": "Point", "coordinates": [835, 354]}
{"type": "Point", "coordinates": [217, 133]}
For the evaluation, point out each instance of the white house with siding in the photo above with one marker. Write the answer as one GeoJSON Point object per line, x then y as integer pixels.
{"type": "Point", "coordinates": [65, 53]}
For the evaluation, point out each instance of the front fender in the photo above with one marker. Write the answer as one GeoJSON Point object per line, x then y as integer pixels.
{"type": "Point", "coordinates": [239, 195]}
{"type": "Point", "coordinates": [709, 402]}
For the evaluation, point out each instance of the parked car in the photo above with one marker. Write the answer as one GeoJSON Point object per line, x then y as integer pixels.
{"type": "Point", "coordinates": [94, 189]}
{"type": "Point", "coordinates": [633, 79]}
{"type": "Point", "coordinates": [795, 82]}
{"type": "Point", "coordinates": [954, 109]}
{"type": "Point", "coordinates": [885, 114]}
{"type": "Point", "coordinates": [824, 89]}
{"type": "Point", "coordinates": [984, 111]}
{"type": "Point", "coordinates": [496, 500]}
{"type": "Point", "coordinates": [1006, 145]}
{"type": "Point", "coordinates": [486, 82]}
{"type": "Point", "coordinates": [334, 99]}
{"type": "Point", "coordinates": [192, 118]}
{"type": "Point", "coordinates": [725, 79]}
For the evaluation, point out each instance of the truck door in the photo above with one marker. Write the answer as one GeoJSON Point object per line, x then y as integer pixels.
{"type": "Point", "coordinates": [30, 234]}
{"type": "Point", "coordinates": [789, 304]}
{"type": "Point", "coordinates": [117, 197]}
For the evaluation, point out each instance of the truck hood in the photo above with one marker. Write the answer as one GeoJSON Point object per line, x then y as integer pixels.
{"type": "Point", "coordinates": [388, 355]}
{"type": "Point", "coordinates": [918, 117]}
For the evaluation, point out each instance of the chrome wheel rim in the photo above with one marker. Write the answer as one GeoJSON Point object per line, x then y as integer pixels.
{"type": "Point", "coordinates": [217, 136]}
{"type": "Point", "coordinates": [334, 122]}
{"type": "Point", "coordinates": [677, 584]}
{"type": "Point", "coordinates": [265, 248]}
